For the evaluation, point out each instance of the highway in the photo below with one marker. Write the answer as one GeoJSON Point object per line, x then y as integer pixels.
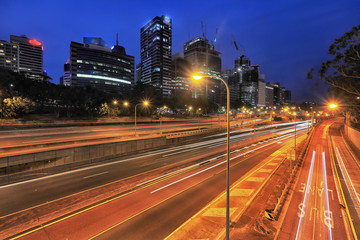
{"type": "Point", "coordinates": [128, 173]}
{"type": "Point", "coordinates": [29, 137]}
{"type": "Point", "coordinates": [317, 209]}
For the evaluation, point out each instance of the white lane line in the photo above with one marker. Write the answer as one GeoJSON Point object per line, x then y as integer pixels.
{"type": "Point", "coordinates": [98, 174]}
{"type": "Point", "coordinates": [182, 179]}
{"type": "Point", "coordinates": [330, 224]}
{"type": "Point", "coordinates": [212, 166]}
{"type": "Point", "coordinates": [306, 194]}
{"type": "Point", "coordinates": [111, 163]}
{"type": "Point", "coordinates": [346, 175]}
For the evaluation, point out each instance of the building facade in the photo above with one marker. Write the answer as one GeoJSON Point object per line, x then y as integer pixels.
{"type": "Point", "coordinates": [206, 60]}
{"type": "Point", "coordinates": [155, 53]}
{"type": "Point", "coordinates": [94, 63]}
{"type": "Point", "coordinates": [9, 55]}
{"type": "Point", "coordinates": [66, 79]}
{"type": "Point", "coordinates": [181, 82]}
{"type": "Point", "coordinates": [269, 92]}
{"type": "Point", "coordinates": [30, 57]}
{"type": "Point", "coordinates": [23, 55]}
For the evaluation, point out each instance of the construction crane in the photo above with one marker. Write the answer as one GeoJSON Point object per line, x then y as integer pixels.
{"type": "Point", "coordinates": [202, 29]}
{"type": "Point", "coordinates": [214, 41]}
{"type": "Point", "coordinates": [241, 55]}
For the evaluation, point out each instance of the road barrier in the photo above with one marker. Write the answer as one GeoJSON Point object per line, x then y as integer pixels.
{"type": "Point", "coordinates": [26, 166]}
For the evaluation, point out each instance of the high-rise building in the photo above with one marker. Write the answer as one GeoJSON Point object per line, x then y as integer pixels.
{"type": "Point", "coordinates": [261, 99]}
{"type": "Point", "coordinates": [287, 97]}
{"type": "Point", "coordinates": [94, 63]}
{"type": "Point", "coordinates": [269, 92]}
{"type": "Point", "coordinates": [66, 78]}
{"type": "Point", "coordinates": [181, 81]}
{"type": "Point", "coordinates": [23, 55]}
{"type": "Point", "coordinates": [30, 56]}
{"type": "Point", "coordinates": [206, 60]}
{"type": "Point", "coordinates": [9, 55]}
{"type": "Point", "coordinates": [249, 84]}
{"type": "Point", "coordinates": [156, 52]}
{"type": "Point", "coordinates": [232, 76]}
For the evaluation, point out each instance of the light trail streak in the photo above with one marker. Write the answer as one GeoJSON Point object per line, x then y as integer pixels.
{"type": "Point", "coordinates": [327, 194]}
{"type": "Point", "coordinates": [170, 184]}
{"type": "Point", "coordinates": [346, 176]}
{"type": "Point", "coordinates": [306, 194]}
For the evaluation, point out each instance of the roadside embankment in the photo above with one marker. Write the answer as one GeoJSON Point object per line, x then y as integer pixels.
{"type": "Point", "coordinates": [353, 135]}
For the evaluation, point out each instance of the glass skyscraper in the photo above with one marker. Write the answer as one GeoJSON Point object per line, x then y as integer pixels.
{"type": "Point", "coordinates": [156, 52]}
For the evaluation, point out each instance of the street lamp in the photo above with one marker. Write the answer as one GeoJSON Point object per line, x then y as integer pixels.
{"type": "Point", "coordinates": [199, 77]}
{"type": "Point", "coordinates": [333, 105]}
{"type": "Point", "coordinates": [164, 107]}
{"type": "Point", "coordinates": [145, 103]}
{"type": "Point", "coordinates": [295, 139]}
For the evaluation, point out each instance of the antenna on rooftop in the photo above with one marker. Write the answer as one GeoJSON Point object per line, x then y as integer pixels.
{"type": "Point", "coordinates": [117, 42]}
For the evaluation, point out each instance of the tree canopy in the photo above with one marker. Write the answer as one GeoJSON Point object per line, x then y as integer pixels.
{"type": "Point", "coordinates": [343, 70]}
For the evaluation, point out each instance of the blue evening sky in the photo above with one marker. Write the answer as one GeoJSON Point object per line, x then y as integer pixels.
{"type": "Point", "coordinates": [285, 37]}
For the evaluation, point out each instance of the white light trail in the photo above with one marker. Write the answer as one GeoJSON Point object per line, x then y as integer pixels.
{"type": "Point", "coordinates": [306, 194]}
{"type": "Point", "coordinates": [327, 194]}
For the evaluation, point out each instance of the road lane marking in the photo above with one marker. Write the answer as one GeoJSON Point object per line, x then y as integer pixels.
{"type": "Point", "coordinates": [170, 184]}
{"type": "Point", "coordinates": [241, 192]}
{"type": "Point", "coordinates": [341, 196]}
{"type": "Point", "coordinates": [346, 175]}
{"type": "Point", "coordinates": [255, 179]}
{"type": "Point", "coordinates": [120, 196]}
{"type": "Point", "coordinates": [264, 170]}
{"type": "Point", "coordinates": [98, 174]}
{"type": "Point", "coordinates": [218, 212]}
{"type": "Point", "coordinates": [273, 164]}
{"type": "Point", "coordinates": [330, 223]}
{"type": "Point", "coordinates": [182, 179]}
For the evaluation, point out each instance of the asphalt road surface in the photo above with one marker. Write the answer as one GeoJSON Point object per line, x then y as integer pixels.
{"type": "Point", "coordinates": [316, 210]}
{"type": "Point", "coordinates": [160, 205]}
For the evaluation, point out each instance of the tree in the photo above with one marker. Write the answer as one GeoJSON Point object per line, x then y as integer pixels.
{"type": "Point", "coordinates": [343, 70]}
{"type": "Point", "coordinates": [12, 107]}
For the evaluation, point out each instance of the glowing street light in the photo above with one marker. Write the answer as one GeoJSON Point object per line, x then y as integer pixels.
{"type": "Point", "coordinates": [197, 78]}
{"type": "Point", "coordinates": [333, 105]}
{"type": "Point", "coordinates": [126, 104]}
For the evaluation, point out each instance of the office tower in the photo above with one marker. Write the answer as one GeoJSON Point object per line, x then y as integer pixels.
{"type": "Point", "coordinates": [23, 55]}
{"type": "Point", "coordinates": [287, 97]}
{"type": "Point", "coordinates": [206, 60]}
{"type": "Point", "coordinates": [181, 82]}
{"type": "Point", "coordinates": [155, 52]}
{"type": "Point", "coordinates": [66, 78]}
{"type": "Point", "coordinates": [9, 55]}
{"type": "Point", "coordinates": [261, 97]}
{"type": "Point", "coordinates": [249, 84]}
{"type": "Point", "coordinates": [269, 95]}
{"type": "Point", "coordinates": [94, 63]}
{"type": "Point", "coordinates": [30, 56]}
{"type": "Point", "coordinates": [232, 76]}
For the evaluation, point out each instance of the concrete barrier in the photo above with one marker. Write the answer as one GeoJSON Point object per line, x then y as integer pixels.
{"type": "Point", "coordinates": [89, 153]}
{"type": "Point", "coordinates": [353, 135]}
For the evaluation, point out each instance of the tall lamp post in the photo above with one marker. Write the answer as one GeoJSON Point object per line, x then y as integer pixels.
{"type": "Point", "coordinates": [145, 103]}
{"type": "Point", "coordinates": [199, 77]}
{"type": "Point", "coordinates": [295, 136]}
{"type": "Point", "coordinates": [164, 107]}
